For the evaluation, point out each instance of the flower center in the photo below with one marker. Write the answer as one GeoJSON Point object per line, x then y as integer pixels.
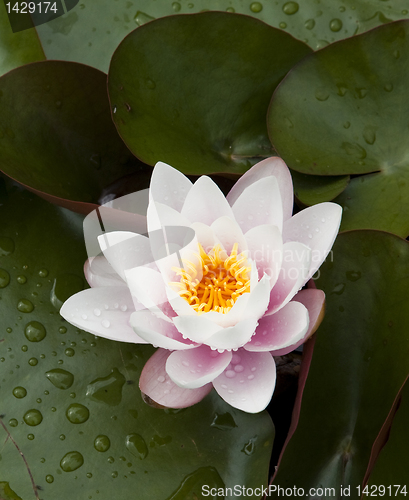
{"type": "Point", "coordinates": [224, 279]}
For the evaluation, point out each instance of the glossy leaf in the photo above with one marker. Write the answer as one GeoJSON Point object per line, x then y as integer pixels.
{"type": "Point", "coordinates": [56, 132]}
{"type": "Point", "coordinates": [312, 189]}
{"type": "Point", "coordinates": [73, 423]}
{"type": "Point", "coordinates": [193, 90]}
{"type": "Point", "coordinates": [344, 111]}
{"type": "Point", "coordinates": [392, 465]}
{"type": "Point", "coordinates": [359, 363]}
{"type": "Point", "coordinates": [17, 49]}
{"type": "Point", "coordinates": [85, 35]}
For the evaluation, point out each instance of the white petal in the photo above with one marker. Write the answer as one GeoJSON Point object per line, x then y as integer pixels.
{"type": "Point", "coordinates": [205, 202]}
{"type": "Point", "coordinates": [269, 167]}
{"type": "Point", "coordinates": [282, 329]}
{"type": "Point", "coordinates": [160, 215]}
{"type": "Point", "coordinates": [233, 337]}
{"type": "Point", "coordinates": [103, 311]}
{"type": "Point", "coordinates": [99, 272]}
{"type": "Point", "coordinates": [169, 186]}
{"type": "Point", "coordinates": [197, 367]}
{"type": "Point", "coordinates": [228, 232]}
{"type": "Point", "coordinates": [265, 245]}
{"type": "Point", "coordinates": [156, 383]}
{"type": "Point", "coordinates": [195, 327]}
{"type": "Point", "coordinates": [258, 204]}
{"type": "Point", "coordinates": [125, 250]}
{"type": "Point", "coordinates": [249, 383]}
{"type": "Point", "coordinates": [317, 227]}
{"type": "Point", "coordinates": [293, 274]}
{"type": "Point", "coordinates": [158, 332]}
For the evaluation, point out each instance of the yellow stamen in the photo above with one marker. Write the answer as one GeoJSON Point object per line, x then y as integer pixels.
{"type": "Point", "coordinates": [224, 279]}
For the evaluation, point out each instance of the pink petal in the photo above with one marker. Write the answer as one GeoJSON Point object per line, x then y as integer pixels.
{"type": "Point", "coordinates": [248, 383]}
{"type": "Point", "coordinates": [260, 203]}
{"type": "Point", "coordinates": [197, 367]}
{"type": "Point", "coordinates": [269, 167]}
{"type": "Point", "coordinates": [99, 272]}
{"type": "Point", "coordinates": [158, 332]}
{"type": "Point", "coordinates": [294, 270]}
{"type": "Point", "coordinates": [266, 249]}
{"type": "Point", "coordinates": [228, 232]}
{"type": "Point", "coordinates": [205, 202]}
{"type": "Point", "coordinates": [169, 186]}
{"type": "Point", "coordinates": [125, 250]}
{"type": "Point", "coordinates": [317, 227]}
{"type": "Point", "coordinates": [103, 311]}
{"type": "Point", "coordinates": [156, 383]}
{"type": "Point", "coordinates": [314, 301]}
{"type": "Point", "coordinates": [282, 329]}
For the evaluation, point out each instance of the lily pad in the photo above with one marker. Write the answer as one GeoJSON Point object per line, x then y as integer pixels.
{"type": "Point", "coordinates": [344, 111]}
{"type": "Point", "coordinates": [84, 35]}
{"type": "Point", "coordinates": [312, 189]}
{"type": "Point", "coordinates": [56, 132]}
{"type": "Point", "coordinates": [17, 49]}
{"type": "Point", "coordinates": [193, 90]}
{"type": "Point", "coordinates": [359, 363]}
{"type": "Point", "coordinates": [90, 434]}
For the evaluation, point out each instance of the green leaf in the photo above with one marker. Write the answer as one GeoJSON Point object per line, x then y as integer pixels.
{"type": "Point", "coordinates": [85, 35]}
{"type": "Point", "coordinates": [359, 363]}
{"type": "Point", "coordinates": [312, 189]}
{"type": "Point", "coordinates": [17, 49]}
{"type": "Point", "coordinates": [56, 132]}
{"type": "Point", "coordinates": [73, 420]}
{"type": "Point", "coordinates": [391, 467]}
{"type": "Point", "coordinates": [193, 90]}
{"type": "Point", "coordinates": [344, 111]}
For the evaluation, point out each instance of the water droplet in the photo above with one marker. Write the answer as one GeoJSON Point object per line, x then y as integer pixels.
{"type": "Point", "coordinates": [339, 289]}
{"type": "Point", "coordinates": [161, 379]}
{"type": "Point", "coordinates": [335, 25]}
{"type": "Point", "coordinates": [230, 9]}
{"type": "Point", "coordinates": [33, 361]}
{"type": "Point", "coordinates": [21, 279]}
{"type": "Point", "coordinates": [321, 95]}
{"type": "Point", "coordinates": [13, 422]}
{"type": "Point", "coordinates": [43, 273]}
{"type": "Point", "coordinates": [223, 421]}
{"type": "Point", "coordinates": [97, 312]}
{"type": "Point", "coordinates": [4, 278]}
{"type": "Point", "coordinates": [25, 306]}
{"type": "Point", "coordinates": [250, 377]}
{"type": "Point", "coordinates": [250, 446]}
{"type": "Point", "coordinates": [30, 436]}
{"type": "Point", "coordinates": [49, 478]}
{"type": "Point", "coordinates": [114, 474]}
{"type": "Point", "coordinates": [309, 24]}
{"type": "Point", "coordinates": [141, 18]}
{"type": "Point", "coordinates": [102, 444]}
{"type": "Point", "coordinates": [353, 275]}
{"type": "Point", "coordinates": [290, 8]}
{"type": "Point", "coordinates": [60, 378]}
{"type": "Point", "coordinates": [150, 84]}
{"type": "Point", "coordinates": [105, 323]}
{"type": "Point", "coordinates": [239, 368]}
{"type": "Point", "coordinates": [107, 389]}
{"type": "Point", "coordinates": [230, 373]}
{"type": "Point", "coordinates": [33, 417]}
{"type": "Point", "coordinates": [283, 25]}
{"type": "Point", "coordinates": [6, 246]}
{"type": "Point", "coordinates": [354, 150]}
{"type": "Point", "coordinates": [256, 7]}
{"type": "Point", "coordinates": [35, 331]}
{"type": "Point", "coordinates": [342, 89]}
{"type": "Point", "coordinates": [136, 445]}
{"type": "Point", "coordinates": [369, 134]}
{"type": "Point", "coordinates": [361, 92]}
{"type": "Point", "coordinates": [388, 87]}
{"type": "Point", "coordinates": [69, 352]}
{"type": "Point", "coordinates": [176, 6]}
{"type": "Point", "coordinates": [19, 392]}
{"type": "Point", "coordinates": [62, 437]}
{"type": "Point", "coordinates": [77, 413]}
{"type": "Point", "coordinates": [24, 348]}
{"type": "Point", "coordinates": [346, 125]}
{"type": "Point", "coordinates": [73, 460]}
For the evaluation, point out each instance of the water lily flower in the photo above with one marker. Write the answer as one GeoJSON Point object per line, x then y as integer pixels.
{"type": "Point", "coordinates": [220, 307]}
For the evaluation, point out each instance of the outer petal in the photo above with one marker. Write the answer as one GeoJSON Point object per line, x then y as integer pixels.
{"type": "Point", "coordinates": [197, 367]}
{"type": "Point", "coordinates": [270, 167]}
{"type": "Point", "coordinates": [205, 202]}
{"type": "Point", "coordinates": [158, 332]}
{"type": "Point", "coordinates": [260, 203]}
{"type": "Point", "coordinates": [103, 311]}
{"type": "Point", "coordinates": [266, 250]}
{"type": "Point", "coordinates": [125, 250]}
{"type": "Point", "coordinates": [294, 270]}
{"type": "Point", "coordinates": [99, 272]}
{"type": "Point", "coordinates": [314, 301]}
{"type": "Point", "coordinates": [282, 329]}
{"type": "Point", "coordinates": [169, 186]}
{"type": "Point", "coordinates": [249, 382]}
{"type": "Point", "coordinates": [316, 227]}
{"type": "Point", "coordinates": [156, 383]}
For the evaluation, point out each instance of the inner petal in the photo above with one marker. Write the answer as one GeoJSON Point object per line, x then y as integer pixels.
{"type": "Point", "coordinates": [215, 280]}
